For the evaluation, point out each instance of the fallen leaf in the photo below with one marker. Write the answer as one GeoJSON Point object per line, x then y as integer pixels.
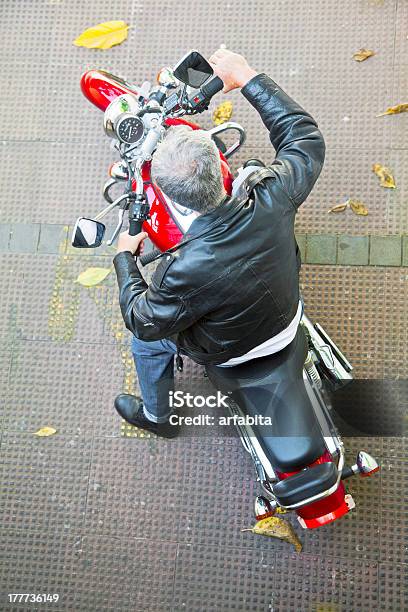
{"type": "Point", "coordinates": [395, 110]}
{"type": "Point", "coordinates": [222, 113]}
{"type": "Point", "coordinates": [385, 176]}
{"type": "Point", "coordinates": [103, 36]}
{"type": "Point", "coordinates": [338, 208]}
{"type": "Point", "coordinates": [45, 431]}
{"type": "Point", "coordinates": [277, 528]}
{"type": "Point", "coordinates": [92, 276]}
{"type": "Point", "coordinates": [358, 207]}
{"type": "Point", "coordinates": [362, 54]}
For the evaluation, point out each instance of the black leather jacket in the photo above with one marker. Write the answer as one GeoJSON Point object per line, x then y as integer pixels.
{"type": "Point", "coordinates": [234, 283]}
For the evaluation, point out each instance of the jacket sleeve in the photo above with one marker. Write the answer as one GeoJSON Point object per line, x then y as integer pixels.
{"type": "Point", "coordinates": [150, 312]}
{"type": "Point", "coordinates": [299, 144]}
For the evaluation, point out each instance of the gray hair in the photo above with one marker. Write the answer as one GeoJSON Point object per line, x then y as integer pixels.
{"type": "Point", "coordinates": [186, 167]}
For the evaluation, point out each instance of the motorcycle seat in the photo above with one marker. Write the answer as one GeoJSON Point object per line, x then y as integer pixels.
{"type": "Point", "coordinates": [273, 387]}
{"type": "Point", "coordinates": [304, 484]}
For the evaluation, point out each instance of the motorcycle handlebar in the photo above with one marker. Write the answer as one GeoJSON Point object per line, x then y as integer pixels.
{"type": "Point", "coordinates": [212, 87]}
{"type": "Point", "coordinates": [149, 257]}
{"type": "Point", "coordinates": [135, 227]}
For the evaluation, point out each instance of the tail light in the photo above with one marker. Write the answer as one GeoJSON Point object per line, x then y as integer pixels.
{"type": "Point", "coordinates": [311, 523]}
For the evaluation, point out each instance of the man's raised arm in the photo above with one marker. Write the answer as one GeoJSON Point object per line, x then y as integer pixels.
{"type": "Point", "coordinates": [298, 142]}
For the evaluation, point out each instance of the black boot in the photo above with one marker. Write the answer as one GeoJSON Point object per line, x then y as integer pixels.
{"type": "Point", "coordinates": [130, 408]}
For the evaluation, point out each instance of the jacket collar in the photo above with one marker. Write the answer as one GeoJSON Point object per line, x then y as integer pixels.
{"type": "Point", "coordinates": [205, 221]}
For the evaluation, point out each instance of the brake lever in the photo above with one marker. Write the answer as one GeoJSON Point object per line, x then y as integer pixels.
{"type": "Point", "coordinates": [121, 213]}
{"type": "Point", "coordinates": [111, 206]}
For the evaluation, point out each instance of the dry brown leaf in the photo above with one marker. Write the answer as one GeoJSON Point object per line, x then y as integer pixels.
{"type": "Point", "coordinates": [222, 113]}
{"type": "Point", "coordinates": [338, 208]}
{"type": "Point", "coordinates": [277, 528]}
{"type": "Point", "coordinates": [362, 54]}
{"type": "Point", "coordinates": [358, 207]}
{"type": "Point", "coordinates": [395, 110]}
{"type": "Point", "coordinates": [45, 431]}
{"type": "Point", "coordinates": [384, 174]}
{"type": "Point", "coordinates": [103, 36]}
{"type": "Point", "coordinates": [92, 276]}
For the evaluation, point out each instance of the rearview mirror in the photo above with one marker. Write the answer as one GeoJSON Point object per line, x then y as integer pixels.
{"type": "Point", "coordinates": [87, 234]}
{"type": "Point", "coordinates": [193, 70]}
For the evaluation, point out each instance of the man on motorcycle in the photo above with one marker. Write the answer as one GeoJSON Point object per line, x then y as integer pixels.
{"type": "Point", "coordinates": [231, 292]}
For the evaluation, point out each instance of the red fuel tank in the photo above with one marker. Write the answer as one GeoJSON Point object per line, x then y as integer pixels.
{"type": "Point", "coordinates": [101, 88]}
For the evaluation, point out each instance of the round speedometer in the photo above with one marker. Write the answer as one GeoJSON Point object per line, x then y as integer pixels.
{"type": "Point", "coordinates": [129, 128]}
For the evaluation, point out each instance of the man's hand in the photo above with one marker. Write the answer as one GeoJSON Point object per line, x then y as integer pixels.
{"type": "Point", "coordinates": [232, 68]}
{"type": "Point", "coordinates": [134, 244]}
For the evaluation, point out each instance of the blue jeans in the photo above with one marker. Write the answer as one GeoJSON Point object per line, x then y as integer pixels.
{"type": "Point", "coordinates": [154, 363]}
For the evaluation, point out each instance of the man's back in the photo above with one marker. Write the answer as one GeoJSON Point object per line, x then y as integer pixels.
{"type": "Point", "coordinates": [240, 274]}
{"type": "Point", "coordinates": [234, 284]}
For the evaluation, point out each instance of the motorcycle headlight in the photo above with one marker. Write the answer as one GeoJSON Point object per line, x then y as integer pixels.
{"type": "Point", "coordinates": [127, 103]}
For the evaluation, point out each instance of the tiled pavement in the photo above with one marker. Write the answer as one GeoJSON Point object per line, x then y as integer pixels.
{"type": "Point", "coordinates": [114, 522]}
{"type": "Point", "coordinates": [343, 249]}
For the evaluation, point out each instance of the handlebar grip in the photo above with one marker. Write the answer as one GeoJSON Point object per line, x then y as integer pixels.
{"type": "Point", "coordinates": [212, 87]}
{"type": "Point", "coordinates": [149, 257]}
{"type": "Point", "coordinates": [135, 227]}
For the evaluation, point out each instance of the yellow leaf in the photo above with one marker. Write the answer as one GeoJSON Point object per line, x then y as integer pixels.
{"type": "Point", "coordinates": [338, 208]}
{"type": "Point", "coordinates": [45, 431]}
{"type": "Point", "coordinates": [222, 113]}
{"type": "Point", "coordinates": [103, 36]}
{"type": "Point", "coordinates": [358, 207]}
{"type": "Point", "coordinates": [385, 176]}
{"type": "Point", "coordinates": [395, 110]}
{"type": "Point", "coordinates": [277, 528]}
{"type": "Point", "coordinates": [362, 54]}
{"type": "Point", "coordinates": [92, 276]}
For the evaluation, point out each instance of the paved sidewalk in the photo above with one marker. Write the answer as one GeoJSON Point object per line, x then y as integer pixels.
{"type": "Point", "coordinates": [111, 519]}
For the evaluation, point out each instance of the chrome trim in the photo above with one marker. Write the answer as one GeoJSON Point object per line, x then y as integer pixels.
{"type": "Point", "coordinates": [326, 349]}
{"type": "Point", "coordinates": [252, 445]}
{"type": "Point", "coordinates": [262, 506]}
{"type": "Point", "coordinates": [365, 463]}
{"type": "Point", "coordinates": [341, 355]}
{"type": "Point", "coordinates": [119, 172]}
{"type": "Point", "coordinates": [106, 189]}
{"type": "Point", "coordinates": [321, 411]}
{"type": "Point", "coordinates": [165, 78]}
{"type": "Point", "coordinates": [230, 125]}
{"type": "Point", "coordinates": [125, 103]}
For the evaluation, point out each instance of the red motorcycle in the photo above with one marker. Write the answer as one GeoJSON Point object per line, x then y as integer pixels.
{"type": "Point", "coordinates": [299, 460]}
